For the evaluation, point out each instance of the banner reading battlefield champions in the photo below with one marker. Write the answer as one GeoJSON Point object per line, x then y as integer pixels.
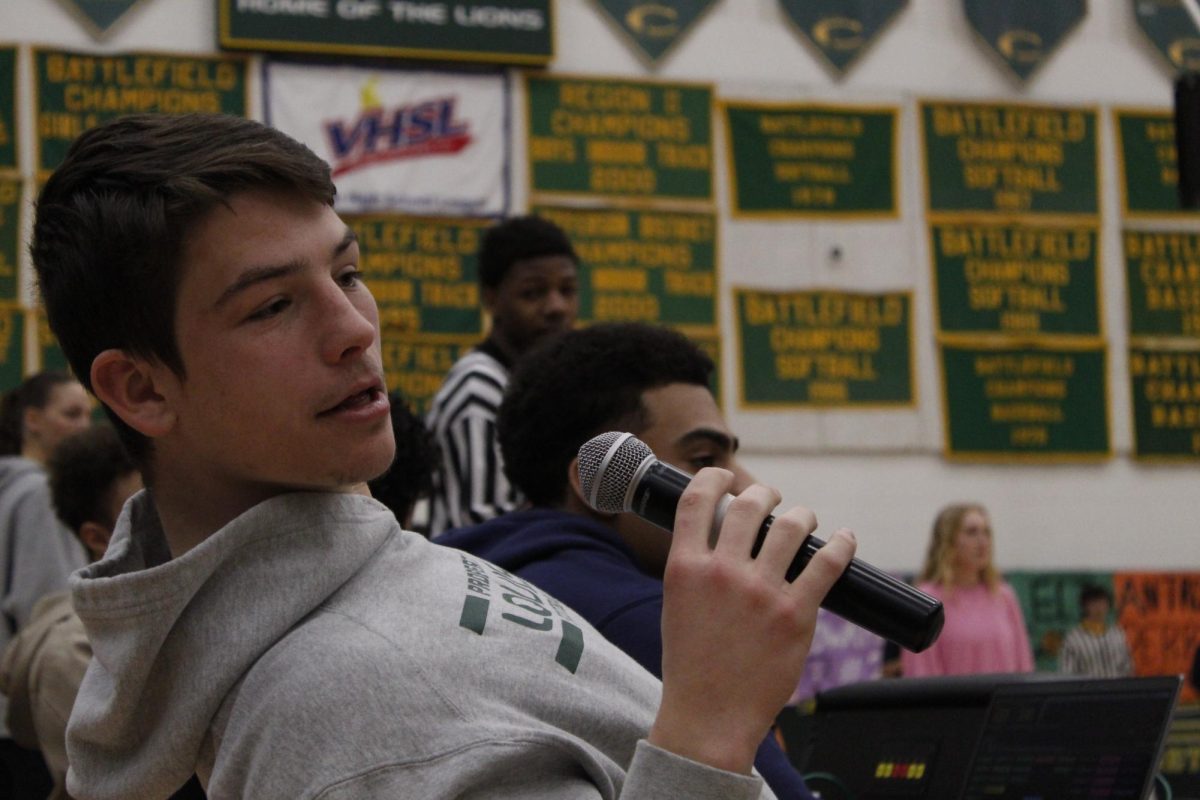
{"type": "Point", "coordinates": [824, 348]}
{"type": "Point", "coordinates": [76, 91]}
{"type": "Point", "coordinates": [1148, 163]}
{"type": "Point", "coordinates": [628, 139]}
{"type": "Point", "coordinates": [1007, 158]}
{"type": "Point", "coordinates": [1024, 33]}
{"type": "Point", "coordinates": [10, 238]}
{"type": "Point", "coordinates": [812, 160]}
{"type": "Point", "coordinates": [654, 27]}
{"type": "Point", "coordinates": [399, 140]}
{"type": "Point", "coordinates": [1162, 272]}
{"type": "Point", "coordinates": [497, 31]}
{"type": "Point", "coordinates": [1164, 382]}
{"type": "Point", "coordinates": [8, 108]}
{"type": "Point", "coordinates": [841, 30]}
{"type": "Point", "coordinates": [643, 266]}
{"type": "Point", "coordinates": [1042, 401]}
{"type": "Point", "coordinates": [1016, 278]}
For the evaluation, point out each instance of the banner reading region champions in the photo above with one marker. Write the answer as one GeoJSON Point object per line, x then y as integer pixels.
{"type": "Point", "coordinates": [399, 140]}
{"type": "Point", "coordinates": [417, 365]}
{"type": "Point", "coordinates": [812, 160]}
{"type": "Point", "coordinates": [1008, 158]}
{"type": "Point", "coordinates": [498, 31]}
{"type": "Point", "coordinates": [1149, 164]}
{"type": "Point", "coordinates": [824, 348]}
{"type": "Point", "coordinates": [643, 266]}
{"type": "Point", "coordinates": [1162, 276]}
{"type": "Point", "coordinates": [1040, 401]}
{"type": "Point", "coordinates": [76, 91]}
{"type": "Point", "coordinates": [8, 108]}
{"type": "Point", "coordinates": [994, 278]}
{"type": "Point", "coordinates": [591, 136]}
{"type": "Point", "coordinates": [10, 238]}
{"type": "Point", "coordinates": [1165, 385]}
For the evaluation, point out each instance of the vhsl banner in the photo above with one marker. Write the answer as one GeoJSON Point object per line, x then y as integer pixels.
{"type": "Point", "coordinates": [654, 27]}
{"type": "Point", "coordinates": [1024, 33]}
{"type": "Point", "coordinates": [421, 142]}
{"type": "Point", "coordinates": [841, 29]}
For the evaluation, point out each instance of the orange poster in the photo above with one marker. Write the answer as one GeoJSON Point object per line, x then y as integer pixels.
{"type": "Point", "coordinates": [1160, 612]}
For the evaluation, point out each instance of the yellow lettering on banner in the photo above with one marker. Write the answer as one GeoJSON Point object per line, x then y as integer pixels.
{"type": "Point", "coordinates": [57, 125]}
{"type": "Point", "coordinates": [1027, 364]}
{"type": "Point", "coordinates": [1175, 417]}
{"type": "Point", "coordinates": [604, 97]}
{"type": "Point", "coordinates": [822, 196]}
{"type": "Point", "coordinates": [1025, 412]}
{"type": "Point", "coordinates": [547, 148]}
{"type": "Point", "coordinates": [6, 267]}
{"type": "Point", "coordinates": [450, 295]}
{"type": "Point", "coordinates": [5, 136]}
{"type": "Point", "coordinates": [10, 191]}
{"type": "Point", "coordinates": [603, 151]}
{"type": "Point", "coordinates": [619, 280]}
{"type": "Point", "coordinates": [625, 308]}
{"type": "Point", "coordinates": [648, 127]}
{"type": "Point", "coordinates": [412, 265]}
{"type": "Point", "coordinates": [1009, 122]}
{"type": "Point", "coordinates": [675, 227]}
{"type": "Point", "coordinates": [828, 391]}
{"type": "Point", "coordinates": [844, 126]}
{"type": "Point", "coordinates": [406, 319]}
{"type": "Point", "coordinates": [1020, 321]}
{"type": "Point", "coordinates": [623, 179]}
{"type": "Point", "coordinates": [682, 156]}
{"type": "Point", "coordinates": [691, 284]}
{"type": "Point", "coordinates": [815, 171]}
{"type": "Point", "coordinates": [645, 255]}
{"type": "Point", "coordinates": [392, 291]}
{"type": "Point", "coordinates": [1029, 436]}
{"type": "Point", "coordinates": [831, 149]}
{"type": "Point", "coordinates": [590, 224]}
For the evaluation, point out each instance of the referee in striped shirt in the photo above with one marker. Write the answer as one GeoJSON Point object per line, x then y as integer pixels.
{"type": "Point", "coordinates": [1095, 648]}
{"type": "Point", "coordinates": [528, 274]}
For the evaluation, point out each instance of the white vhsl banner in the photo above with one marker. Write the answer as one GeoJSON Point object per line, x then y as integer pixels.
{"type": "Point", "coordinates": [421, 142]}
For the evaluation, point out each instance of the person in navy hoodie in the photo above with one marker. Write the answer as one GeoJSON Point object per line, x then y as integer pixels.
{"type": "Point", "coordinates": [650, 381]}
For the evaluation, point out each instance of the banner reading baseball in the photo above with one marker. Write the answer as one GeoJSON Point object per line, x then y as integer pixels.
{"type": "Point", "coordinates": [422, 142]}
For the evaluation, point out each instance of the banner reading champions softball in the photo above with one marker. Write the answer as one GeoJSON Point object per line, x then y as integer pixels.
{"type": "Point", "coordinates": [76, 91]}
{"type": "Point", "coordinates": [397, 140]}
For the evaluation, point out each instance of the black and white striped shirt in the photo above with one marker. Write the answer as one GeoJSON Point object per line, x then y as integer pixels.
{"type": "Point", "coordinates": [1104, 656]}
{"type": "Point", "coordinates": [469, 486]}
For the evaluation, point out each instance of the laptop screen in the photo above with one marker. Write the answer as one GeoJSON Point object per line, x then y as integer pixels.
{"type": "Point", "coordinates": [1059, 740]}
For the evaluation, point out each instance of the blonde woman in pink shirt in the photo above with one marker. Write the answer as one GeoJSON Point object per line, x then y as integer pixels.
{"type": "Point", "coordinates": [985, 629]}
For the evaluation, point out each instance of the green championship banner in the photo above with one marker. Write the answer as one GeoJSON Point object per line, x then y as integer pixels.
{"type": "Point", "coordinates": [76, 91]}
{"type": "Point", "coordinates": [841, 30]}
{"type": "Point", "coordinates": [497, 31]}
{"type": "Point", "coordinates": [1050, 604]}
{"type": "Point", "coordinates": [1009, 158]}
{"type": "Point", "coordinates": [812, 160]}
{"type": "Point", "coordinates": [416, 365]}
{"type": "Point", "coordinates": [12, 346]}
{"type": "Point", "coordinates": [1162, 276]}
{"type": "Point", "coordinates": [1024, 33]}
{"type": "Point", "coordinates": [1016, 278]}
{"type": "Point", "coordinates": [10, 239]}
{"type": "Point", "coordinates": [710, 343]}
{"type": "Point", "coordinates": [8, 108]}
{"type": "Point", "coordinates": [643, 266]}
{"type": "Point", "coordinates": [824, 348]}
{"type": "Point", "coordinates": [423, 273]}
{"type": "Point", "coordinates": [619, 138]}
{"type": "Point", "coordinates": [49, 351]}
{"type": "Point", "coordinates": [1165, 386]}
{"type": "Point", "coordinates": [653, 28]}
{"type": "Point", "coordinates": [1035, 402]}
{"type": "Point", "coordinates": [1148, 163]}
{"type": "Point", "coordinates": [1171, 30]}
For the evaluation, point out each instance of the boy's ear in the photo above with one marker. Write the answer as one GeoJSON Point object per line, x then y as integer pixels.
{"type": "Point", "coordinates": [133, 388]}
{"type": "Point", "coordinates": [95, 538]}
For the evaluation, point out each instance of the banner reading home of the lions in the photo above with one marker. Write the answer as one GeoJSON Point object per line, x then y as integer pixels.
{"type": "Point", "coordinates": [497, 31]}
{"type": "Point", "coordinates": [76, 91]}
{"type": "Point", "coordinates": [812, 160]}
{"type": "Point", "coordinates": [824, 348]}
{"type": "Point", "coordinates": [421, 142]}
{"type": "Point", "coordinates": [643, 266]}
{"type": "Point", "coordinates": [8, 108]}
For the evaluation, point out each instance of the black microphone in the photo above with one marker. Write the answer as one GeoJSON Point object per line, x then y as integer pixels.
{"type": "Point", "coordinates": [618, 472]}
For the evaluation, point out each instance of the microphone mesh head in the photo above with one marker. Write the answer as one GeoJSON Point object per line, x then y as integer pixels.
{"type": "Point", "coordinates": [605, 473]}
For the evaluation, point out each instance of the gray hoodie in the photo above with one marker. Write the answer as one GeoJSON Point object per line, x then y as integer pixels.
{"type": "Point", "coordinates": [310, 648]}
{"type": "Point", "coordinates": [37, 552]}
